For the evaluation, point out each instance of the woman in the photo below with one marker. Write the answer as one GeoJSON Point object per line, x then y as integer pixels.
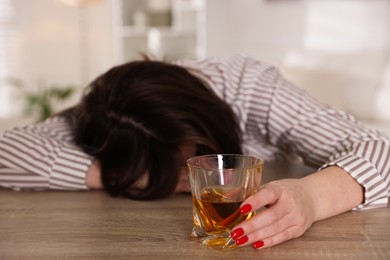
{"type": "Point", "coordinates": [138, 123]}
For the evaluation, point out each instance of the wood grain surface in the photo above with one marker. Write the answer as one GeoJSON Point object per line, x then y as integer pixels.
{"type": "Point", "coordinates": [92, 225]}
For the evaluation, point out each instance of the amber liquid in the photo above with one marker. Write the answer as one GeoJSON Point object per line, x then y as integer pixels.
{"type": "Point", "coordinates": [217, 210]}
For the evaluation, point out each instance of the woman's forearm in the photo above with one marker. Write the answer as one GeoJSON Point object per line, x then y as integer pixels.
{"type": "Point", "coordinates": [333, 191]}
{"type": "Point", "coordinates": [93, 179]}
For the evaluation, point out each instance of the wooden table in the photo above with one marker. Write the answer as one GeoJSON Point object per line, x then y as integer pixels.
{"type": "Point", "coordinates": [92, 225]}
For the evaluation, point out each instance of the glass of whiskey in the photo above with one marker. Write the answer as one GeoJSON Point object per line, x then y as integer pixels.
{"type": "Point", "coordinates": [219, 184]}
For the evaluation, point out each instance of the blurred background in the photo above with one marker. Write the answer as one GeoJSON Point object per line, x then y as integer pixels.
{"type": "Point", "coordinates": [338, 50]}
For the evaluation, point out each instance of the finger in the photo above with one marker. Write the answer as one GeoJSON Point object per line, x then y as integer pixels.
{"type": "Point", "coordinates": [271, 221]}
{"type": "Point", "coordinates": [260, 239]}
{"type": "Point", "coordinates": [267, 195]}
{"type": "Point", "coordinates": [286, 234]}
{"type": "Point", "coordinates": [260, 232]}
{"type": "Point", "coordinates": [263, 219]}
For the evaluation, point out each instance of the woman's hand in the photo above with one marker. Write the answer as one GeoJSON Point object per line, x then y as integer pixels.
{"type": "Point", "coordinates": [289, 213]}
{"type": "Point", "coordinates": [292, 205]}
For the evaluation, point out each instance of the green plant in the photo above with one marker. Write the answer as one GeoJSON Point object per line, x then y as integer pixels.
{"type": "Point", "coordinates": [40, 103]}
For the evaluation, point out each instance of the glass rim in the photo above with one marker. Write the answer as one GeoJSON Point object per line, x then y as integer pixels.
{"type": "Point", "coordinates": [189, 164]}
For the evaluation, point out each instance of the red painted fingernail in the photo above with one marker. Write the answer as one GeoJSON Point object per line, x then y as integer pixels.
{"type": "Point", "coordinates": [242, 240]}
{"type": "Point", "coordinates": [237, 233]}
{"type": "Point", "coordinates": [245, 209]}
{"type": "Point", "coordinates": [258, 244]}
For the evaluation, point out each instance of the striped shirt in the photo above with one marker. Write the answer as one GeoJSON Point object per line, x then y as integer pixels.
{"type": "Point", "coordinates": [276, 118]}
{"type": "Point", "coordinates": [42, 156]}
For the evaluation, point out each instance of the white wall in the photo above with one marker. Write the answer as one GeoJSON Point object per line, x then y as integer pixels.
{"type": "Point", "coordinates": [264, 29]}
{"type": "Point", "coordinates": [61, 44]}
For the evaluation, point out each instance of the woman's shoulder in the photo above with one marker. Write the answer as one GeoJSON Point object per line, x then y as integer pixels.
{"type": "Point", "coordinates": [237, 69]}
{"type": "Point", "coordinates": [235, 62]}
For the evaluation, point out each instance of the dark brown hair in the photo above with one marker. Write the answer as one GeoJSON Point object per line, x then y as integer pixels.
{"type": "Point", "coordinates": [134, 118]}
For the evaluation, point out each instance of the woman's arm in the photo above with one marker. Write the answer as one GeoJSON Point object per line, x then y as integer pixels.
{"type": "Point", "coordinates": [93, 178]}
{"type": "Point", "coordinates": [333, 191]}
{"type": "Point", "coordinates": [353, 160]}
{"type": "Point", "coordinates": [323, 137]}
{"type": "Point", "coordinates": [293, 205]}
{"type": "Point", "coordinates": [42, 156]}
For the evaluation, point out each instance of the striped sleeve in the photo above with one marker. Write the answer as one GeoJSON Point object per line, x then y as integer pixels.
{"type": "Point", "coordinates": [368, 165]}
{"type": "Point", "coordinates": [324, 136]}
{"type": "Point", "coordinates": [42, 156]}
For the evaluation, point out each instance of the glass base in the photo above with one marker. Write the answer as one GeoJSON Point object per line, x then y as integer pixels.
{"type": "Point", "coordinates": [219, 241]}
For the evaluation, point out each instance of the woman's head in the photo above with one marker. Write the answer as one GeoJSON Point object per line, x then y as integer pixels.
{"type": "Point", "coordinates": [136, 118]}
